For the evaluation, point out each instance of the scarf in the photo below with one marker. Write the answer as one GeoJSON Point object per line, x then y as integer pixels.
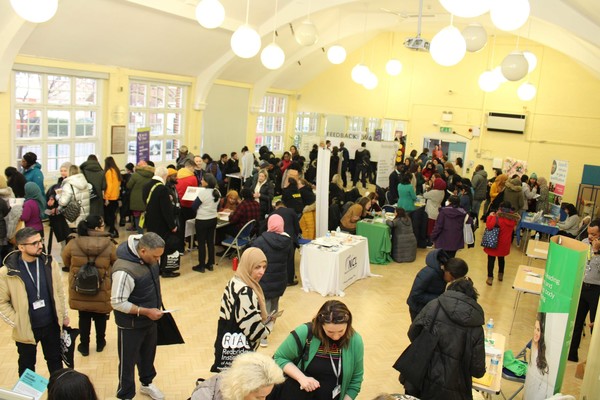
{"type": "Point", "coordinates": [33, 192]}
{"type": "Point", "coordinates": [250, 259]}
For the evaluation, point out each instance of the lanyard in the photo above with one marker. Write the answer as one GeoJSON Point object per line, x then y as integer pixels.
{"type": "Point", "coordinates": [337, 371]}
{"type": "Point", "coordinates": [37, 269]}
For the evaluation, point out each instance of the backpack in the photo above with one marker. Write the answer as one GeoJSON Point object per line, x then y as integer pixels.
{"type": "Point", "coordinates": [87, 280]}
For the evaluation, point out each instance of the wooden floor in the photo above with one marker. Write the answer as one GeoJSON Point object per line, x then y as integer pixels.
{"type": "Point", "coordinates": [377, 303]}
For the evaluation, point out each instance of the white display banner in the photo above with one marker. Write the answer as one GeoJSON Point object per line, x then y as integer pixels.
{"type": "Point", "coordinates": [387, 162]}
{"type": "Point", "coordinates": [322, 182]}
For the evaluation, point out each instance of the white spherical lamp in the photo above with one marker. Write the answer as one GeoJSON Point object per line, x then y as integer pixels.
{"type": "Point", "coordinates": [370, 81]}
{"type": "Point", "coordinates": [514, 66]}
{"type": "Point", "coordinates": [531, 60]}
{"type": "Point", "coordinates": [475, 37]}
{"type": "Point", "coordinates": [336, 54]}
{"type": "Point", "coordinates": [466, 8]}
{"type": "Point", "coordinates": [245, 42]}
{"type": "Point", "coordinates": [306, 33]}
{"type": "Point", "coordinates": [488, 82]}
{"type": "Point", "coordinates": [508, 15]}
{"type": "Point", "coordinates": [393, 67]}
{"type": "Point", "coordinates": [36, 11]}
{"type": "Point", "coordinates": [359, 73]}
{"type": "Point", "coordinates": [448, 47]}
{"type": "Point", "coordinates": [272, 56]}
{"type": "Point", "coordinates": [526, 91]}
{"type": "Point", "coordinates": [210, 13]}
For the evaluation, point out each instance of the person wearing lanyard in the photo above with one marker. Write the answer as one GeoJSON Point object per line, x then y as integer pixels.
{"type": "Point", "coordinates": [332, 368]}
{"type": "Point", "coordinates": [32, 301]}
{"type": "Point", "coordinates": [590, 291]}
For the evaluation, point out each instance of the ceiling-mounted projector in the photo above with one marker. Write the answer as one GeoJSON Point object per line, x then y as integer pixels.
{"type": "Point", "coordinates": [417, 43]}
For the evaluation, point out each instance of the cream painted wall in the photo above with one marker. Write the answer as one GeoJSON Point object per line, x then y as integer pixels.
{"type": "Point", "coordinates": [563, 119]}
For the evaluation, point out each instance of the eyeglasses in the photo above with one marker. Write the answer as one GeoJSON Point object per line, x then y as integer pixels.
{"type": "Point", "coordinates": [332, 318]}
{"type": "Point", "coordinates": [36, 243]}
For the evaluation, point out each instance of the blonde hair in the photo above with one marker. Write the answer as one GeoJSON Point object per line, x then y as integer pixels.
{"type": "Point", "coordinates": [249, 372]}
{"type": "Point", "coordinates": [73, 170]}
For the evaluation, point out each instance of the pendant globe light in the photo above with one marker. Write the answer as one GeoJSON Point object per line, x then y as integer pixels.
{"type": "Point", "coordinates": [509, 15]}
{"type": "Point", "coordinates": [272, 56]}
{"type": "Point", "coordinates": [359, 73]}
{"type": "Point", "coordinates": [306, 33]}
{"type": "Point", "coordinates": [488, 82]}
{"type": "Point", "coordinates": [475, 37]}
{"type": "Point", "coordinates": [526, 91]}
{"type": "Point", "coordinates": [466, 8]}
{"type": "Point", "coordinates": [448, 46]}
{"type": "Point", "coordinates": [514, 66]}
{"type": "Point", "coordinates": [531, 60]}
{"type": "Point", "coordinates": [210, 13]}
{"type": "Point", "coordinates": [393, 67]}
{"type": "Point", "coordinates": [370, 82]}
{"type": "Point", "coordinates": [36, 11]}
{"type": "Point", "coordinates": [336, 54]}
{"type": "Point", "coordinates": [245, 41]}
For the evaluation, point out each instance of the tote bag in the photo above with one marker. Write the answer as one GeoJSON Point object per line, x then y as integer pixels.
{"type": "Point", "coordinates": [490, 236]}
{"type": "Point", "coordinates": [167, 330]}
{"type": "Point", "coordinates": [230, 343]}
{"type": "Point", "coordinates": [468, 231]}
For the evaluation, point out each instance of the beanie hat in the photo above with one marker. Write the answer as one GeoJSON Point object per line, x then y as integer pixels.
{"type": "Point", "coordinates": [533, 176]}
{"type": "Point", "coordinates": [439, 184]}
{"type": "Point", "coordinates": [30, 157]}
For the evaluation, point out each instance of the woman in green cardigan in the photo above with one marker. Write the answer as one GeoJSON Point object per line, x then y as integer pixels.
{"type": "Point", "coordinates": [332, 367]}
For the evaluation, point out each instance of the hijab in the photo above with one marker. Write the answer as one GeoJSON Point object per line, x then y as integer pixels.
{"type": "Point", "coordinates": [275, 224]}
{"type": "Point", "coordinates": [33, 192]}
{"type": "Point", "coordinates": [250, 259]}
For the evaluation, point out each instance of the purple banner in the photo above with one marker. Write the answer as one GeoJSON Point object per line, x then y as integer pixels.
{"type": "Point", "coordinates": [143, 144]}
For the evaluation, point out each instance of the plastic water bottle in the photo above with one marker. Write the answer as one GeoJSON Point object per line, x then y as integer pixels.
{"type": "Point", "coordinates": [494, 364]}
{"type": "Point", "coordinates": [328, 236]}
{"type": "Point", "coordinates": [537, 236]}
{"type": "Point", "coordinates": [338, 231]}
{"type": "Point", "coordinates": [489, 330]}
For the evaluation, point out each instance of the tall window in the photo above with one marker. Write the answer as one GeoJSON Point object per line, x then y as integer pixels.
{"type": "Point", "coordinates": [307, 123]}
{"type": "Point", "coordinates": [270, 123]}
{"type": "Point", "coordinates": [57, 117]}
{"type": "Point", "coordinates": [393, 128]}
{"type": "Point", "coordinates": [356, 124]}
{"type": "Point", "coordinates": [160, 107]}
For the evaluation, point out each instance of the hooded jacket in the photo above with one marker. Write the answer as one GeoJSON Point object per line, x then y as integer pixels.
{"type": "Point", "coordinates": [459, 354]}
{"type": "Point", "coordinates": [434, 202]}
{"type": "Point", "coordinates": [429, 283]}
{"type": "Point", "coordinates": [76, 185]}
{"type": "Point", "coordinates": [448, 231]}
{"type": "Point", "coordinates": [14, 304]}
{"type": "Point", "coordinates": [185, 179]}
{"type": "Point", "coordinates": [94, 174]}
{"type": "Point", "coordinates": [506, 221]}
{"type": "Point", "coordinates": [34, 174]}
{"type": "Point", "coordinates": [479, 184]}
{"type": "Point", "coordinates": [513, 193]}
{"type": "Point", "coordinates": [404, 243]}
{"type": "Point", "coordinates": [138, 180]}
{"type": "Point", "coordinates": [277, 248]}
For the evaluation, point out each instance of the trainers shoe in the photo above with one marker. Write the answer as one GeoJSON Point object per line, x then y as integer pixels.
{"type": "Point", "coordinates": [152, 391]}
{"type": "Point", "coordinates": [264, 342]}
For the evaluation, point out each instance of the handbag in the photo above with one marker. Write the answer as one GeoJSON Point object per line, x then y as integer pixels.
{"type": "Point", "coordinates": [490, 236]}
{"type": "Point", "coordinates": [468, 231]}
{"type": "Point", "coordinates": [73, 208]}
{"type": "Point", "coordinates": [167, 330]}
{"type": "Point", "coordinates": [413, 363]}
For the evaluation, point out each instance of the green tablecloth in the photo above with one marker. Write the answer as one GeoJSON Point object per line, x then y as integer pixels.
{"type": "Point", "coordinates": [380, 241]}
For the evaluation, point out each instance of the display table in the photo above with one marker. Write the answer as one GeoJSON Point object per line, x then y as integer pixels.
{"type": "Point", "coordinates": [379, 239]}
{"type": "Point", "coordinates": [190, 229]}
{"type": "Point", "coordinates": [528, 280]}
{"type": "Point", "coordinates": [537, 250]}
{"type": "Point", "coordinates": [494, 387]}
{"type": "Point", "coordinates": [329, 266]}
{"type": "Point", "coordinates": [527, 223]}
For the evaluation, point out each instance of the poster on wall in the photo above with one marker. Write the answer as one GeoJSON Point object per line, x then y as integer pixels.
{"type": "Point", "coordinates": [378, 135]}
{"type": "Point", "coordinates": [558, 181]}
{"type": "Point", "coordinates": [553, 327]}
{"type": "Point", "coordinates": [143, 144]}
{"type": "Point", "coordinates": [512, 166]}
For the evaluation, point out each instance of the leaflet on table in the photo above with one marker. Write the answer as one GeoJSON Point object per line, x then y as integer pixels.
{"type": "Point", "coordinates": [191, 193]}
{"type": "Point", "coordinates": [31, 384]}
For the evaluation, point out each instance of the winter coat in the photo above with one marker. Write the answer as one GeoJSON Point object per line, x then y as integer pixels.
{"type": "Point", "coordinates": [448, 231]}
{"type": "Point", "coordinates": [98, 248]}
{"type": "Point", "coordinates": [307, 225]}
{"type": "Point", "coordinates": [138, 180]}
{"type": "Point", "coordinates": [78, 185]}
{"type": "Point", "coordinates": [94, 174]}
{"type": "Point", "coordinates": [429, 283]}
{"type": "Point", "coordinates": [479, 184]}
{"type": "Point", "coordinates": [290, 223]}
{"type": "Point", "coordinates": [513, 193]}
{"type": "Point", "coordinates": [406, 197]}
{"type": "Point", "coordinates": [4, 210]}
{"type": "Point", "coordinates": [394, 180]}
{"type": "Point", "coordinates": [266, 197]}
{"type": "Point", "coordinates": [185, 179]}
{"type": "Point", "coordinates": [113, 185]}
{"type": "Point", "coordinates": [160, 217]}
{"type": "Point", "coordinates": [404, 243]}
{"type": "Point", "coordinates": [349, 220]}
{"type": "Point", "coordinates": [460, 353]}
{"type": "Point", "coordinates": [31, 215]}
{"type": "Point", "coordinates": [34, 174]}
{"type": "Point", "coordinates": [434, 202]}
{"type": "Point", "coordinates": [507, 222]}
{"type": "Point", "coordinates": [209, 389]}
{"type": "Point", "coordinates": [542, 201]}
{"type": "Point", "coordinates": [277, 248]}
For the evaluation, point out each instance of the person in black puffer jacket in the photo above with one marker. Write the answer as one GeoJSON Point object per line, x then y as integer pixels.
{"type": "Point", "coordinates": [459, 354]}
{"type": "Point", "coordinates": [277, 246]}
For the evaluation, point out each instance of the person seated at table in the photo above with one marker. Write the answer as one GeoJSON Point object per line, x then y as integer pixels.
{"type": "Point", "coordinates": [570, 226]}
{"type": "Point", "coordinates": [374, 198]}
{"type": "Point", "coordinates": [404, 243]}
{"type": "Point", "coordinates": [246, 211]}
{"type": "Point", "coordinates": [459, 355]}
{"type": "Point", "coordinates": [506, 218]}
{"type": "Point", "coordinates": [431, 280]}
{"type": "Point", "coordinates": [355, 213]}
{"type": "Point", "coordinates": [230, 202]}
{"type": "Point", "coordinates": [306, 192]}
{"type": "Point", "coordinates": [337, 191]}
{"type": "Point", "coordinates": [406, 193]}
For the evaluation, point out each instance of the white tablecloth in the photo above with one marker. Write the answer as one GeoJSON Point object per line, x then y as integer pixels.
{"type": "Point", "coordinates": [331, 270]}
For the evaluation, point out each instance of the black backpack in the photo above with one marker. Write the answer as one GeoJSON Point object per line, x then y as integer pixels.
{"type": "Point", "coordinates": [87, 280]}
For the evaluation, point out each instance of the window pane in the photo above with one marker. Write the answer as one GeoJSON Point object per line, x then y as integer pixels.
{"type": "Point", "coordinates": [59, 89]}
{"type": "Point", "coordinates": [85, 91]}
{"type": "Point", "coordinates": [156, 150]}
{"type": "Point", "coordinates": [28, 88]}
{"type": "Point", "coordinates": [136, 120]}
{"type": "Point", "coordinates": [280, 108]}
{"type": "Point", "coordinates": [57, 154]}
{"type": "Point", "coordinates": [173, 123]}
{"type": "Point", "coordinates": [131, 151]}
{"type": "Point", "coordinates": [171, 146]}
{"type": "Point", "coordinates": [175, 97]}
{"type": "Point", "coordinates": [85, 125]}
{"type": "Point", "coordinates": [269, 123]}
{"type": "Point", "coordinates": [26, 148]}
{"type": "Point", "coordinates": [157, 96]}
{"type": "Point", "coordinates": [28, 123]}
{"type": "Point", "coordinates": [82, 151]}
{"type": "Point", "coordinates": [157, 123]}
{"type": "Point", "coordinates": [270, 104]}
{"type": "Point", "coordinates": [279, 121]}
{"type": "Point", "coordinates": [260, 124]}
{"type": "Point", "coordinates": [258, 142]}
{"type": "Point", "coordinates": [137, 95]}
{"type": "Point", "coordinates": [58, 123]}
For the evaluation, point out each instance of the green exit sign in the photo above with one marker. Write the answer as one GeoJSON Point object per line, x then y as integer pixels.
{"type": "Point", "coordinates": [445, 129]}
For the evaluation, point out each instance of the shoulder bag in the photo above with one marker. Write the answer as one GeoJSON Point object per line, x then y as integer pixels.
{"type": "Point", "coordinates": [468, 231]}
{"type": "Point", "coordinates": [490, 236]}
{"type": "Point", "coordinates": [73, 208]}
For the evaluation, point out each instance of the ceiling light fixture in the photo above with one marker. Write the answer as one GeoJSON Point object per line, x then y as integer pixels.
{"type": "Point", "coordinates": [475, 37]}
{"type": "Point", "coordinates": [526, 91]}
{"type": "Point", "coordinates": [36, 11]}
{"type": "Point", "coordinates": [210, 13]}
{"type": "Point", "coordinates": [306, 33]}
{"type": "Point", "coordinates": [448, 46]}
{"type": "Point", "coordinates": [466, 8]}
{"type": "Point", "coordinates": [337, 53]}
{"type": "Point", "coordinates": [514, 66]}
{"type": "Point", "coordinates": [393, 67]}
{"type": "Point", "coordinates": [245, 41]}
{"type": "Point", "coordinates": [272, 56]}
{"type": "Point", "coordinates": [509, 15]}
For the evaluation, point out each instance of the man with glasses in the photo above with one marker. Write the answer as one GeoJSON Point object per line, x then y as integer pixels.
{"type": "Point", "coordinates": [32, 301]}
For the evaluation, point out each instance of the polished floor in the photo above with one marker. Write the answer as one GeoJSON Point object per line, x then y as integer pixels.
{"type": "Point", "coordinates": [377, 303]}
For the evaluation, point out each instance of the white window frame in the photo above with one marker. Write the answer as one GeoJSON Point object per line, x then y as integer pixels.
{"type": "Point", "coordinates": [390, 127]}
{"type": "Point", "coordinates": [307, 124]}
{"type": "Point", "coordinates": [271, 135]}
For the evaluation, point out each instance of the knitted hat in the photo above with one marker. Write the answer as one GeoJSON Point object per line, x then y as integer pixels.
{"type": "Point", "coordinates": [171, 171]}
{"type": "Point", "coordinates": [30, 157]}
{"type": "Point", "coordinates": [533, 176]}
{"type": "Point", "coordinates": [439, 184]}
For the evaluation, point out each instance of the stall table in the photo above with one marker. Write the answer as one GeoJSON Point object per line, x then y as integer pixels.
{"type": "Point", "coordinates": [527, 223]}
{"type": "Point", "coordinates": [379, 239]}
{"type": "Point", "coordinates": [537, 250]}
{"type": "Point", "coordinates": [528, 280]}
{"type": "Point", "coordinates": [494, 387]}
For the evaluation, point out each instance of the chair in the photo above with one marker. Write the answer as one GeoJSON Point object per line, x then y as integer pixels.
{"type": "Point", "coordinates": [583, 225]}
{"type": "Point", "coordinates": [509, 376]}
{"type": "Point", "coordinates": [241, 240]}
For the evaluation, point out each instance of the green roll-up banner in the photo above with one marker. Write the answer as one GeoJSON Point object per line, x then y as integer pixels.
{"type": "Point", "coordinates": [553, 330]}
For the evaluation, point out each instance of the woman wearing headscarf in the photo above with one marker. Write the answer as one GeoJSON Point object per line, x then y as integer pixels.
{"type": "Point", "coordinates": [243, 316]}
{"type": "Point", "coordinates": [434, 198]}
{"type": "Point", "coordinates": [277, 246]}
{"type": "Point", "coordinates": [542, 201]}
{"type": "Point", "coordinates": [33, 207]}
{"type": "Point", "coordinates": [513, 193]}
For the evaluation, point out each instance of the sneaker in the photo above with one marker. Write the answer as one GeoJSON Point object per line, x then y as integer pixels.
{"type": "Point", "coordinates": [152, 391]}
{"type": "Point", "coordinates": [264, 342]}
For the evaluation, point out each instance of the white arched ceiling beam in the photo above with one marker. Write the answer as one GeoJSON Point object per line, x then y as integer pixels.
{"type": "Point", "coordinates": [13, 33]}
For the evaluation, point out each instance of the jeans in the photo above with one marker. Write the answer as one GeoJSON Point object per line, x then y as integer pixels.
{"type": "Point", "coordinates": [490, 265]}
{"type": "Point", "coordinates": [49, 336]}
{"type": "Point", "coordinates": [588, 301]}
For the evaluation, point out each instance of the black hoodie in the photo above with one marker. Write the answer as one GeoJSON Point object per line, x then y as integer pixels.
{"type": "Point", "coordinates": [277, 248]}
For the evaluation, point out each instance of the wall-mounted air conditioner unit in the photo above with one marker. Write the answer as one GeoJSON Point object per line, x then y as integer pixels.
{"type": "Point", "coordinates": [509, 123]}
